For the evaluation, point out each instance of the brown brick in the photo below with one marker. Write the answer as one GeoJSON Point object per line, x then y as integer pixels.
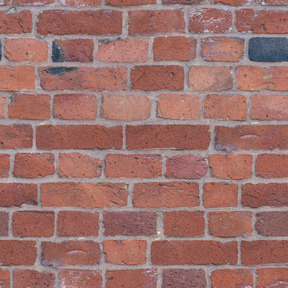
{"type": "Point", "coordinates": [198, 252]}
{"type": "Point", "coordinates": [133, 165]}
{"type": "Point", "coordinates": [166, 194]}
{"type": "Point", "coordinates": [33, 279]}
{"type": "Point", "coordinates": [84, 195]}
{"type": "Point", "coordinates": [4, 222]}
{"type": "Point", "coordinates": [126, 107]}
{"type": "Point", "coordinates": [75, 106]}
{"type": "Point", "coordinates": [178, 106]}
{"type": "Point", "coordinates": [184, 223]}
{"type": "Point", "coordinates": [65, 22]}
{"type": "Point", "coordinates": [29, 106]}
{"type": "Point", "coordinates": [130, 223]}
{"type": "Point", "coordinates": [157, 77]}
{"type": "Point", "coordinates": [78, 165]}
{"type": "Point", "coordinates": [150, 22]}
{"type": "Point", "coordinates": [78, 137]}
{"type": "Point", "coordinates": [210, 78]}
{"type": "Point", "coordinates": [15, 23]}
{"type": "Point", "coordinates": [5, 278]}
{"type": "Point", "coordinates": [33, 224]}
{"type": "Point", "coordinates": [125, 252]}
{"type": "Point", "coordinates": [272, 277]}
{"type": "Point", "coordinates": [4, 165]}
{"type": "Point", "coordinates": [168, 136]}
{"type": "Point", "coordinates": [77, 223]}
{"type": "Point", "coordinates": [70, 253]}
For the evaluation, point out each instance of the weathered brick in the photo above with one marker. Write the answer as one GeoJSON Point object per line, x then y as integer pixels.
{"type": "Point", "coordinates": [5, 278]}
{"type": "Point", "coordinates": [197, 252]}
{"type": "Point", "coordinates": [75, 106]}
{"type": "Point", "coordinates": [33, 279]}
{"type": "Point", "coordinates": [84, 195]}
{"type": "Point", "coordinates": [178, 106]}
{"type": "Point", "coordinates": [184, 223]}
{"type": "Point", "coordinates": [4, 222]}
{"type": "Point", "coordinates": [129, 2]}
{"type": "Point", "coordinates": [272, 277]}
{"type": "Point", "coordinates": [80, 3]}
{"type": "Point", "coordinates": [15, 23]}
{"type": "Point", "coordinates": [222, 49]}
{"type": "Point", "coordinates": [168, 136]}
{"type": "Point", "coordinates": [157, 77]}
{"type": "Point", "coordinates": [132, 223]}
{"type": "Point", "coordinates": [133, 166]}
{"type": "Point", "coordinates": [232, 2]}
{"type": "Point", "coordinates": [78, 137]}
{"type": "Point", "coordinates": [2, 106]}
{"type": "Point", "coordinates": [65, 22]}
{"type": "Point", "coordinates": [4, 165]}
{"type": "Point", "coordinates": [166, 194]}
{"type": "Point", "coordinates": [126, 107]}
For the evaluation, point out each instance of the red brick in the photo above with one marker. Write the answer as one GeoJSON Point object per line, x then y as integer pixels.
{"type": "Point", "coordinates": [2, 106]}
{"type": "Point", "coordinates": [272, 277]}
{"type": "Point", "coordinates": [84, 195]}
{"type": "Point", "coordinates": [210, 78]}
{"type": "Point", "coordinates": [77, 223]}
{"type": "Point", "coordinates": [80, 3]}
{"type": "Point", "coordinates": [80, 278]}
{"type": "Point", "coordinates": [272, 2]}
{"type": "Point", "coordinates": [236, 167]}
{"type": "Point", "coordinates": [150, 22]}
{"type": "Point", "coordinates": [70, 253]}
{"type": "Point", "coordinates": [271, 194]}
{"type": "Point", "coordinates": [29, 106]}
{"type": "Point", "coordinates": [65, 22]}
{"type": "Point", "coordinates": [130, 223]}
{"type": "Point", "coordinates": [78, 137]}
{"type": "Point", "coordinates": [187, 166]}
{"type": "Point", "coordinates": [82, 78]}
{"type": "Point", "coordinates": [225, 107]}
{"type": "Point", "coordinates": [251, 137]}
{"type": "Point", "coordinates": [33, 165]}
{"type": "Point", "coordinates": [75, 50]}
{"type": "Point", "coordinates": [220, 195]}
{"type": "Point", "coordinates": [33, 279]}
{"type": "Point", "coordinates": [125, 252]}
{"type": "Point", "coordinates": [183, 2]}
{"type": "Point", "coordinates": [32, 2]}
{"type": "Point", "coordinates": [126, 107]}
{"type": "Point", "coordinates": [33, 224]}
{"type": "Point", "coordinates": [232, 2]}
{"type": "Point", "coordinates": [264, 252]}
{"type": "Point", "coordinates": [75, 106]}
{"type": "Point", "coordinates": [184, 223]}
{"type": "Point", "coordinates": [17, 194]}
{"type": "Point", "coordinates": [26, 49]}
{"type": "Point", "coordinates": [272, 223]}
{"type": "Point", "coordinates": [141, 278]}
{"type": "Point", "coordinates": [129, 2]}
{"type": "Point", "coordinates": [222, 49]}
{"type": "Point", "coordinates": [133, 165]}
{"type": "Point", "coordinates": [262, 21]}
{"type": "Point", "coordinates": [15, 23]}
{"type": "Point", "coordinates": [125, 50]}
{"type": "Point", "coordinates": [16, 78]}
{"type": "Point", "coordinates": [188, 137]}
{"type": "Point", "coordinates": [4, 222]}
{"type": "Point", "coordinates": [166, 194]}
{"type": "Point", "coordinates": [184, 278]}
{"type": "Point", "coordinates": [178, 106]}
{"type": "Point", "coordinates": [207, 20]}
{"type": "Point", "coordinates": [230, 224]}
{"type": "Point", "coordinates": [78, 165]}
{"type": "Point", "coordinates": [231, 278]}
{"type": "Point", "coordinates": [4, 165]}
{"type": "Point", "coordinates": [178, 48]}
{"type": "Point", "coordinates": [157, 77]}
{"type": "Point", "coordinates": [193, 252]}
{"type": "Point", "coordinates": [269, 107]}
{"type": "Point", "coordinates": [4, 278]}
{"type": "Point", "coordinates": [261, 78]}
{"type": "Point", "coordinates": [13, 252]}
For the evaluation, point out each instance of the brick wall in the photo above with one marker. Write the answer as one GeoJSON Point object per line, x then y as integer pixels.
{"type": "Point", "coordinates": [143, 144]}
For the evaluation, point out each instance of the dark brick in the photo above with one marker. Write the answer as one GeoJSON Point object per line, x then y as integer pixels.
{"type": "Point", "coordinates": [272, 49]}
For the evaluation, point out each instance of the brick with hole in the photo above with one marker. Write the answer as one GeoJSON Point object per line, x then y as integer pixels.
{"type": "Point", "coordinates": [16, 23]}
{"type": "Point", "coordinates": [5, 278]}
{"type": "Point", "coordinates": [4, 165]}
{"type": "Point", "coordinates": [77, 223]}
{"type": "Point", "coordinates": [125, 252]}
{"type": "Point", "coordinates": [4, 222]}
{"type": "Point", "coordinates": [178, 106]}
{"type": "Point", "coordinates": [75, 106]}
{"type": "Point", "coordinates": [78, 165]}
{"type": "Point", "coordinates": [33, 165]}
{"type": "Point", "coordinates": [272, 277]}
{"type": "Point", "coordinates": [29, 106]}
{"type": "Point", "coordinates": [126, 107]}
{"type": "Point", "coordinates": [33, 279]}
{"type": "Point", "coordinates": [33, 224]}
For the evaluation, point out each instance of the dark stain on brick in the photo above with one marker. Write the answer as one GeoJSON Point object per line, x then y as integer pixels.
{"type": "Point", "coordinates": [59, 71]}
{"type": "Point", "coordinates": [58, 53]}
